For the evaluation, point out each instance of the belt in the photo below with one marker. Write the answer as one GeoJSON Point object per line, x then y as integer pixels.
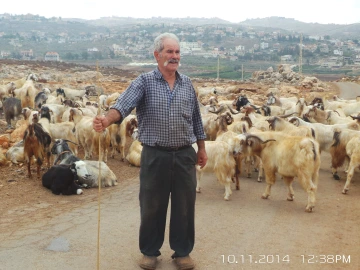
{"type": "Point", "coordinates": [169, 149]}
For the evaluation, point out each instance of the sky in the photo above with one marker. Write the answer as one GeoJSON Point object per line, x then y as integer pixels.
{"type": "Point", "coordinates": [315, 11]}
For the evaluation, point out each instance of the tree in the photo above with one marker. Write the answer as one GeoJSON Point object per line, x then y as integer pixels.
{"type": "Point", "coordinates": [69, 56]}
{"type": "Point", "coordinates": [85, 55]}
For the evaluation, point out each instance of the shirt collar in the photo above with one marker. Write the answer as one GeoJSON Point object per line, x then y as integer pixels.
{"type": "Point", "coordinates": [158, 74]}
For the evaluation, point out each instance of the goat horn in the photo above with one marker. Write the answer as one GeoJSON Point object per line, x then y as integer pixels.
{"type": "Point", "coordinates": [70, 141]}
{"type": "Point", "coordinates": [232, 111]}
{"type": "Point", "coordinates": [287, 115]}
{"type": "Point", "coordinates": [256, 137]}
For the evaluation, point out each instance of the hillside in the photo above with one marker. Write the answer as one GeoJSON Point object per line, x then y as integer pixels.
{"type": "Point", "coordinates": [289, 24]}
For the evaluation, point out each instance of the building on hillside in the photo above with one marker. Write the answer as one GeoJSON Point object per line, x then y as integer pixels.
{"type": "Point", "coordinates": [52, 56]}
{"type": "Point", "coordinates": [264, 45]}
{"type": "Point", "coordinates": [118, 50]}
{"type": "Point", "coordinates": [5, 54]}
{"type": "Point", "coordinates": [27, 53]}
{"type": "Point", "coordinates": [338, 52]}
{"type": "Point", "coordinates": [286, 57]}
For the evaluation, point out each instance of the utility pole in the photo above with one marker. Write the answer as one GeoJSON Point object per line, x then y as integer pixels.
{"type": "Point", "coordinates": [242, 72]}
{"type": "Point", "coordinates": [300, 55]}
{"type": "Point", "coordinates": [218, 67]}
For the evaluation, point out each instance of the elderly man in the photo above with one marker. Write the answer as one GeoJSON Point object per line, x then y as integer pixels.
{"type": "Point", "coordinates": [169, 123]}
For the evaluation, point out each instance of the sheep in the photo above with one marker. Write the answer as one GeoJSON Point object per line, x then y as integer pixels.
{"type": "Point", "coordinates": [12, 109]}
{"type": "Point", "coordinates": [64, 154]}
{"type": "Point", "coordinates": [36, 143]}
{"type": "Point", "coordinates": [61, 179]}
{"type": "Point", "coordinates": [220, 161]}
{"type": "Point", "coordinates": [289, 156]}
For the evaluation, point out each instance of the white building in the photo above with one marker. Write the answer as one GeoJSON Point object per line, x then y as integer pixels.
{"type": "Point", "coordinates": [52, 56]}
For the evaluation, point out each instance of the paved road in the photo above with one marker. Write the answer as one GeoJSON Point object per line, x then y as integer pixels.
{"type": "Point", "coordinates": [349, 90]}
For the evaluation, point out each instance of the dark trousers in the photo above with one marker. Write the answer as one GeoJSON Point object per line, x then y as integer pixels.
{"type": "Point", "coordinates": [163, 173]}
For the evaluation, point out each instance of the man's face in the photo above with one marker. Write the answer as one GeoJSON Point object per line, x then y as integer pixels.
{"type": "Point", "coordinates": [169, 58]}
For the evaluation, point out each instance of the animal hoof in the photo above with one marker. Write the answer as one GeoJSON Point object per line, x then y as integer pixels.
{"type": "Point", "coordinates": [259, 179]}
{"type": "Point", "coordinates": [198, 190]}
{"type": "Point", "coordinates": [309, 209]}
{"type": "Point", "coordinates": [264, 196]}
{"type": "Point", "coordinates": [336, 177]}
{"type": "Point", "coordinates": [249, 175]}
{"type": "Point", "coordinates": [344, 191]}
{"type": "Point", "coordinates": [237, 188]}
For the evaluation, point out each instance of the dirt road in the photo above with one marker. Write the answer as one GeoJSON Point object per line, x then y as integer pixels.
{"type": "Point", "coordinates": [246, 232]}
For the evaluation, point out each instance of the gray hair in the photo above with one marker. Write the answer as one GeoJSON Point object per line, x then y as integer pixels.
{"type": "Point", "coordinates": [159, 41]}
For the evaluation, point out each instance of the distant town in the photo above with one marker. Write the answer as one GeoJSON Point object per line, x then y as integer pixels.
{"type": "Point", "coordinates": [32, 37]}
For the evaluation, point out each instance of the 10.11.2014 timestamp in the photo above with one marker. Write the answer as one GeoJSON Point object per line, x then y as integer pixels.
{"type": "Point", "coordinates": [258, 259]}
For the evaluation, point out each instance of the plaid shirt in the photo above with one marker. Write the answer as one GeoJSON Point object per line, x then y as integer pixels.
{"type": "Point", "coordinates": [165, 118]}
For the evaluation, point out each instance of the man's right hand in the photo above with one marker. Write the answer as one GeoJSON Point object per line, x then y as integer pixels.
{"type": "Point", "coordinates": [100, 122]}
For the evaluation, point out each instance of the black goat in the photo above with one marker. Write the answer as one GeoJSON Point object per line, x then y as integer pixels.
{"type": "Point", "coordinates": [40, 99]}
{"type": "Point", "coordinates": [61, 179]}
{"type": "Point", "coordinates": [12, 109]}
{"type": "Point", "coordinates": [65, 156]}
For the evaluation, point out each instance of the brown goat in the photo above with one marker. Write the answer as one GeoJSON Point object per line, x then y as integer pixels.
{"type": "Point", "coordinates": [36, 140]}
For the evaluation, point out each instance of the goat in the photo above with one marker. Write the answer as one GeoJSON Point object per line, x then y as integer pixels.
{"type": "Point", "coordinates": [220, 161]}
{"type": "Point", "coordinates": [12, 109]}
{"type": "Point", "coordinates": [20, 82]}
{"type": "Point", "coordinates": [69, 93]}
{"type": "Point", "coordinates": [135, 149]}
{"type": "Point", "coordinates": [66, 156]}
{"type": "Point", "coordinates": [279, 124]}
{"type": "Point", "coordinates": [36, 141]}
{"type": "Point", "coordinates": [27, 94]}
{"type": "Point", "coordinates": [61, 179]}
{"type": "Point", "coordinates": [211, 124]}
{"type": "Point", "coordinates": [290, 156]}
{"type": "Point", "coordinates": [345, 146]}
{"type": "Point", "coordinates": [119, 133]}
{"type": "Point", "coordinates": [16, 153]}
{"type": "Point", "coordinates": [40, 99]}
